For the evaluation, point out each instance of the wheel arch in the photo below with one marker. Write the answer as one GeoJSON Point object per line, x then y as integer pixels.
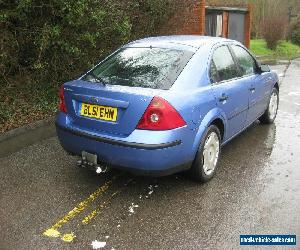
{"type": "Point", "coordinates": [276, 85]}
{"type": "Point", "coordinates": [213, 117]}
{"type": "Point", "coordinates": [218, 122]}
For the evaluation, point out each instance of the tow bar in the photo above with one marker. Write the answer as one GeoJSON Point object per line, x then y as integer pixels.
{"type": "Point", "coordinates": [89, 161]}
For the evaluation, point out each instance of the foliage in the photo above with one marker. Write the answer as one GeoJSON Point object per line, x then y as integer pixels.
{"type": "Point", "coordinates": [273, 31]}
{"type": "Point", "coordinates": [56, 40]}
{"type": "Point", "coordinates": [294, 32]}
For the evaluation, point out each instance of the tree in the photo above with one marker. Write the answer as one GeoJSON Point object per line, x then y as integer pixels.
{"type": "Point", "coordinates": [294, 32]}
{"type": "Point", "coordinates": [273, 30]}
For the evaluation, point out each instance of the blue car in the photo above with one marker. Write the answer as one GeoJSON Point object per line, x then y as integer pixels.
{"type": "Point", "coordinates": [162, 105]}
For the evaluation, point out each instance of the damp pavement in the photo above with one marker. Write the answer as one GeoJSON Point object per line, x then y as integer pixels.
{"type": "Point", "coordinates": [256, 191]}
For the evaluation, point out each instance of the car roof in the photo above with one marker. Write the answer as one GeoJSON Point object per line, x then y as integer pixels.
{"type": "Point", "coordinates": [194, 41]}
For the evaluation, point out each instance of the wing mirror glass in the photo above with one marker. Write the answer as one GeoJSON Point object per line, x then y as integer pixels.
{"type": "Point", "coordinates": [264, 68]}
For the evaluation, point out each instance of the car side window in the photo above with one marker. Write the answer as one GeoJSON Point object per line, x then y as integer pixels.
{"type": "Point", "coordinates": [224, 65]}
{"type": "Point", "coordinates": [213, 73]}
{"type": "Point", "coordinates": [245, 61]}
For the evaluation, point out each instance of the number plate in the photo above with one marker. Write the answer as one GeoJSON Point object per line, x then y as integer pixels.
{"type": "Point", "coordinates": [91, 158]}
{"type": "Point", "coordinates": [99, 112]}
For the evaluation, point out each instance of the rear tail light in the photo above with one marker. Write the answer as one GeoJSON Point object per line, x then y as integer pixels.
{"type": "Point", "coordinates": [160, 115]}
{"type": "Point", "coordinates": [62, 103]}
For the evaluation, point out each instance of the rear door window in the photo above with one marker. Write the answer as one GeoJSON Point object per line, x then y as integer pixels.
{"type": "Point", "coordinates": [223, 66]}
{"type": "Point", "coordinates": [214, 76]}
{"type": "Point", "coordinates": [156, 68]}
{"type": "Point", "coordinates": [245, 61]}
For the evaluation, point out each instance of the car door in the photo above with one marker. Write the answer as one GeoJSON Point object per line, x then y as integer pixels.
{"type": "Point", "coordinates": [231, 93]}
{"type": "Point", "coordinates": [256, 82]}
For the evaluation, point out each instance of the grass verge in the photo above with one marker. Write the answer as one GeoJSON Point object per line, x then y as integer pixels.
{"type": "Point", "coordinates": [284, 51]}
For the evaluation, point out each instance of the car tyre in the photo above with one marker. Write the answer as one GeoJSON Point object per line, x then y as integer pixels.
{"type": "Point", "coordinates": [207, 157]}
{"type": "Point", "coordinates": [271, 112]}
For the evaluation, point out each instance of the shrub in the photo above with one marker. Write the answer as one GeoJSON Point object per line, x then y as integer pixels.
{"type": "Point", "coordinates": [56, 40]}
{"type": "Point", "coordinates": [273, 30]}
{"type": "Point", "coordinates": [294, 32]}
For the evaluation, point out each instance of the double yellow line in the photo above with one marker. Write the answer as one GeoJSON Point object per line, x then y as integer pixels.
{"type": "Point", "coordinates": [53, 231]}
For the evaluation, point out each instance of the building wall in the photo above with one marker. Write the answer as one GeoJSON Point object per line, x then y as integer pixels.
{"type": "Point", "coordinates": [186, 19]}
{"type": "Point", "coordinates": [189, 18]}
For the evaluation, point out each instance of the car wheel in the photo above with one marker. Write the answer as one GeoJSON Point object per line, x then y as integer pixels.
{"type": "Point", "coordinates": [207, 158]}
{"type": "Point", "coordinates": [270, 114]}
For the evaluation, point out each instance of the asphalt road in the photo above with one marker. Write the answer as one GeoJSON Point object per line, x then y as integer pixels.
{"type": "Point", "coordinates": [256, 191]}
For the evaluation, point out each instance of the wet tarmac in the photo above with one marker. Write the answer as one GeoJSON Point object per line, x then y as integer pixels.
{"type": "Point", "coordinates": [256, 191]}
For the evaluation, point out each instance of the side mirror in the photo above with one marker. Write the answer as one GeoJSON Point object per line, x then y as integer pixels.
{"type": "Point", "coordinates": [264, 68]}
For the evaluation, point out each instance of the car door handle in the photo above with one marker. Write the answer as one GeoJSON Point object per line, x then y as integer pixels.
{"type": "Point", "coordinates": [223, 98]}
{"type": "Point", "coordinates": [252, 89]}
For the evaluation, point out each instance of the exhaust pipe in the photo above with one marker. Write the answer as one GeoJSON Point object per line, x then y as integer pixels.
{"type": "Point", "coordinates": [84, 163]}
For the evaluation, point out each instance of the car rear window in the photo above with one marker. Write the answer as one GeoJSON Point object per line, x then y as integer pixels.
{"type": "Point", "coordinates": [156, 68]}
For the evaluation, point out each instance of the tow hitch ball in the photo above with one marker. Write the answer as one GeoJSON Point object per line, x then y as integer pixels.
{"type": "Point", "coordinates": [84, 163]}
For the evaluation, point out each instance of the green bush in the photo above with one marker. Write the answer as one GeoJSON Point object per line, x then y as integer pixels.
{"type": "Point", "coordinates": [53, 40]}
{"type": "Point", "coordinates": [56, 40]}
{"type": "Point", "coordinates": [294, 33]}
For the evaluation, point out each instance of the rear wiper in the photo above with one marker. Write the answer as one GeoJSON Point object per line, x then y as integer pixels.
{"type": "Point", "coordinates": [98, 78]}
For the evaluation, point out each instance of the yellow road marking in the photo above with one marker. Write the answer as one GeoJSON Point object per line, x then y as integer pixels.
{"type": "Point", "coordinates": [68, 237]}
{"type": "Point", "coordinates": [95, 212]}
{"type": "Point", "coordinates": [53, 231]}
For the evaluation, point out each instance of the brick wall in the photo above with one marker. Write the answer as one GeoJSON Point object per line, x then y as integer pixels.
{"type": "Point", "coordinates": [186, 19]}
{"type": "Point", "coordinates": [189, 18]}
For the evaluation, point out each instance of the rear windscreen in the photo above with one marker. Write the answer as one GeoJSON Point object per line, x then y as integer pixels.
{"type": "Point", "coordinates": [156, 68]}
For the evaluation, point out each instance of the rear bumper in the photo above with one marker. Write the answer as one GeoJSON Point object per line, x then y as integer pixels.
{"type": "Point", "coordinates": [157, 173]}
{"type": "Point", "coordinates": [155, 159]}
{"type": "Point", "coordinates": [117, 142]}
